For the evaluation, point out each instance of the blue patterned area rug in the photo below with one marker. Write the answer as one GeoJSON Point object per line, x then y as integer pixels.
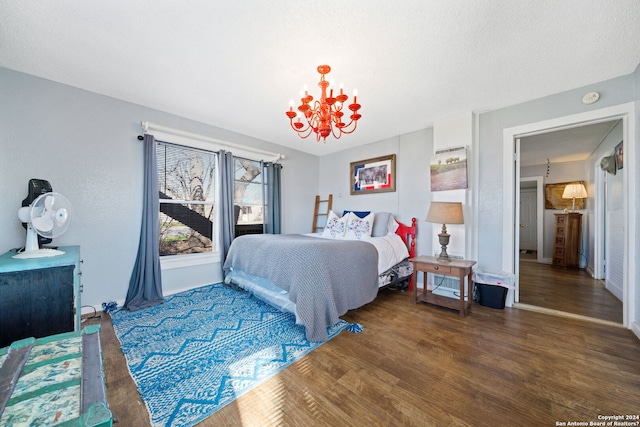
{"type": "Point", "coordinates": [203, 348]}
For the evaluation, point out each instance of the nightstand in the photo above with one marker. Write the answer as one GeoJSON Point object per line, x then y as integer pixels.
{"type": "Point", "coordinates": [456, 267]}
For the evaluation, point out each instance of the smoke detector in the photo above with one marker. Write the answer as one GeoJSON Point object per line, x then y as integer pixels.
{"type": "Point", "coordinates": [590, 98]}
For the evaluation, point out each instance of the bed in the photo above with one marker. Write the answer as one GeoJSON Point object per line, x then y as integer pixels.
{"type": "Point", "coordinates": [320, 276]}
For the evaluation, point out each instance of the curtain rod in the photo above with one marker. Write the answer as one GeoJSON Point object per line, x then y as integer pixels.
{"type": "Point", "coordinates": [150, 125]}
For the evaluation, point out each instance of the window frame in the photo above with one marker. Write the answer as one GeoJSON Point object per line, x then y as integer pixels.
{"type": "Point", "coordinates": [168, 262]}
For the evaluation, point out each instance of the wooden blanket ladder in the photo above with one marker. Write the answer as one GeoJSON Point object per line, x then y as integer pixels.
{"type": "Point", "coordinates": [321, 210]}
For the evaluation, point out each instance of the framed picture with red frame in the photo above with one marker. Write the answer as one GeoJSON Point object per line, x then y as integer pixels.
{"type": "Point", "coordinates": [377, 175]}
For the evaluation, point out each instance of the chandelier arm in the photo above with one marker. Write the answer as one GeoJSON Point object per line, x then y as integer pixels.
{"type": "Point", "coordinates": [305, 133]}
{"type": "Point", "coordinates": [346, 130]}
{"type": "Point", "coordinates": [333, 132]}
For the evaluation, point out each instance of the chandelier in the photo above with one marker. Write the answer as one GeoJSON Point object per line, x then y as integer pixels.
{"type": "Point", "coordinates": [324, 116]}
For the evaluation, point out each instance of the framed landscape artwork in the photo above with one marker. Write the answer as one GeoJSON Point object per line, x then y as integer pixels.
{"type": "Point", "coordinates": [449, 169]}
{"type": "Point", "coordinates": [377, 175]}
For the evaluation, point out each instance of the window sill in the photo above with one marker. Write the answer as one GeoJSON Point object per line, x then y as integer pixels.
{"type": "Point", "coordinates": [181, 261]}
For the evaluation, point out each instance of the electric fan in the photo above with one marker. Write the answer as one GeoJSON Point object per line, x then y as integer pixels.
{"type": "Point", "coordinates": [48, 216]}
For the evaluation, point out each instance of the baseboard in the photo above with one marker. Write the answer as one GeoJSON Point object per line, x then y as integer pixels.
{"type": "Point", "coordinates": [635, 328]}
{"type": "Point", "coordinates": [567, 315]}
{"type": "Point", "coordinates": [589, 270]}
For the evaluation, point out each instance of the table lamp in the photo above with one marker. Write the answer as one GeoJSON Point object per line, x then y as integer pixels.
{"type": "Point", "coordinates": [574, 191]}
{"type": "Point", "coordinates": [445, 213]}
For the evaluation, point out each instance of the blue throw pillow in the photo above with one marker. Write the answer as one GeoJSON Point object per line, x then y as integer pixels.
{"type": "Point", "coordinates": [359, 214]}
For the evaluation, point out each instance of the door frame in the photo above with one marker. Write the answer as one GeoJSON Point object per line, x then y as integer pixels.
{"type": "Point", "coordinates": [539, 225]}
{"type": "Point", "coordinates": [511, 172]}
{"type": "Point", "coordinates": [539, 180]}
{"type": "Point", "coordinates": [599, 218]}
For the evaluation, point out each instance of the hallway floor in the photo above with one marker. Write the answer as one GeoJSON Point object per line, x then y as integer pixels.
{"type": "Point", "coordinates": [572, 291]}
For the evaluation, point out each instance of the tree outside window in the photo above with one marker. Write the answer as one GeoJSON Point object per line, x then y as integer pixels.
{"type": "Point", "coordinates": [186, 181]}
{"type": "Point", "coordinates": [248, 196]}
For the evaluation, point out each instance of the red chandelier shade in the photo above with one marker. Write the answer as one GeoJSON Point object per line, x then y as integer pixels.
{"type": "Point", "coordinates": [324, 116]}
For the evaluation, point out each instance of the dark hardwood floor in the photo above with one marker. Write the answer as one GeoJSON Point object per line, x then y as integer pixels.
{"type": "Point", "coordinates": [567, 290]}
{"type": "Point", "coordinates": [419, 365]}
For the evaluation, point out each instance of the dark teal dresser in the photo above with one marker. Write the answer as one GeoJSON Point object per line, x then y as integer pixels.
{"type": "Point", "coordinates": [39, 296]}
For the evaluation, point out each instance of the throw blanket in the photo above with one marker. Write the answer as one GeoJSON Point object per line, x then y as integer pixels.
{"type": "Point", "coordinates": [324, 277]}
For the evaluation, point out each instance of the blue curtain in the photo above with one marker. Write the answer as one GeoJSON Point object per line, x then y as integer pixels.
{"type": "Point", "coordinates": [145, 285]}
{"type": "Point", "coordinates": [229, 213]}
{"type": "Point", "coordinates": [272, 219]}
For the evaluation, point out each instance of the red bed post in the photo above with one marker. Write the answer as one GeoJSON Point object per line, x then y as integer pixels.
{"type": "Point", "coordinates": [408, 236]}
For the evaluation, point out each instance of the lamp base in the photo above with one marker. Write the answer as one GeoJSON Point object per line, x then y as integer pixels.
{"type": "Point", "coordinates": [443, 238]}
{"type": "Point", "coordinates": [444, 256]}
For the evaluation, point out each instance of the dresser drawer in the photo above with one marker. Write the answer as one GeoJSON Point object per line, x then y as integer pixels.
{"type": "Point", "coordinates": [561, 220]}
{"type": "Point", "coordinates": [558, 251]}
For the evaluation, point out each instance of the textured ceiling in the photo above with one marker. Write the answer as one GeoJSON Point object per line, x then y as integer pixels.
{"type": "Point", "coordinates": [236, 64]}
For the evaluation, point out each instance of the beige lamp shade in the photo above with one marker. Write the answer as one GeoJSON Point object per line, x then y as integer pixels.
{"type": "Point", "coordinates": [574, 191]}
{"type": "Point", "coordinates": [445, 213]}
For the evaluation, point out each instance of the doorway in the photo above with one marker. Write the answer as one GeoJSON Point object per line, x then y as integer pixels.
{"type": "Point", "coordinates": [531, 216]}
{"type": "Point", "coordinates": [570, 152]}
{"type": "Point", "coordinates": [511, 193]}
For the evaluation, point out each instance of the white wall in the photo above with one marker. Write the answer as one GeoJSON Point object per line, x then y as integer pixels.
{"type": "Point", "coordinates": [634, 180]}
{"type": "Point", "coordinates": [85, 145]}
{"type": "Point", "coordinates": [451, 132]}
{"type": "Point", "coordinates": [614, 184]}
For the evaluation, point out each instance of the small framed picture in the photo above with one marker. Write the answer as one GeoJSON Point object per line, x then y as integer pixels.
{"type": "Point", "coordinates": [448, 169]}
{"type": "Point", "coordinates": [619, 155]}
{"type": "Point", "coordinates": [377, 175]}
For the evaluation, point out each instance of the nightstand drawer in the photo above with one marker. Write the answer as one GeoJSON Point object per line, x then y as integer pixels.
{"type": "Point", "coordinates": [561, 220]}
{"type": "Point", "coordinates": [430, 268]}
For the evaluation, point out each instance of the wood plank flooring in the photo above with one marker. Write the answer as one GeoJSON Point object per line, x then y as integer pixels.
{"type": "Point", "coordinates": [419, 365]}
{"type": "Point", "coordinates": [568, 290]}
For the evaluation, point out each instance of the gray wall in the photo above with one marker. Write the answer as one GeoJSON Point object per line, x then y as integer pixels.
{"type": "Point", "coordinates": [412, 196]}
{"type": "Point", "coordinates": [490, 146]}
{"type": "Point", "coordinates": [85, 145]}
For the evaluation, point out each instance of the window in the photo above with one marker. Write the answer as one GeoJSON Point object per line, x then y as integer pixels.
{"type": "Point", "coordinates": [186, 181]}
{"type": "Point", "coordinates": [248, 198]}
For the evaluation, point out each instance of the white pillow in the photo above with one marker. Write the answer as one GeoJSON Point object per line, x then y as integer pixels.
{"type": "Point", "coordinates": [335, 227]}
{"type": "Point", "coordinates": [359, 228]}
